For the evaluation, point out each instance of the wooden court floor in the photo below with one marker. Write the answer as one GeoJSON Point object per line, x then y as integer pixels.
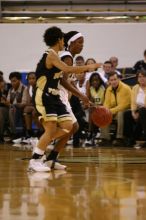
{"type": "Point", "coordinates": [99, 184]}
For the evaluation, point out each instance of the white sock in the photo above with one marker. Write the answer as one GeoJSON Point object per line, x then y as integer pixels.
{"type": "Point", "coordinates": [37, 150]}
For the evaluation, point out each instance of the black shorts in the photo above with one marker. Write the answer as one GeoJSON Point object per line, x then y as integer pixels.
{"type": "Point", "coordinates": [50, 107]}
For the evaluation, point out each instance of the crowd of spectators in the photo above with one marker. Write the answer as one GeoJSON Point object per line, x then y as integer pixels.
{"type": "Point", "coordinates": [18, 117]}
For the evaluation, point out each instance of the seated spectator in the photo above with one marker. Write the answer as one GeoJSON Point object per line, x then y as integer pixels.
{"type": "Point", "coordinates": [79, 61]}
{"type": "Point", "coordinates": [7, 85]}
{"type": "Point", "coordinates": [107, 69]}
{"type": "Point", "coordinates": [135, 119]}
{"type": "Point", "coordinates": [114, 61]}
{"type": "Point", "coordinates": [89, 73]}
{"type": "Point", "coordinates": [117, 100]}
{"type": "Point", "coordinates": [141, 64]}
{"type": "Point", "coordinates": [96, 95]}
{"type": "Point", "coordinates": [81, 78]}
{"type": "Point", "coordinates": [96, 89]}
{"type": "Point", "coordinates": [17, 99]}
{"type": "Point", "coordinates": [4, 109]}
{"type": "Point", "coordinates": [30, 114]}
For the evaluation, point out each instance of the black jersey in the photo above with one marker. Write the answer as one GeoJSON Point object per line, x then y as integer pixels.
{"type": "Point", "coordinates": [46, 96]}
{"type": "Point", "coordinates": [47, 79]}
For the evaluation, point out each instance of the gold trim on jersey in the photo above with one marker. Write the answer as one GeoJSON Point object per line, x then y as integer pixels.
{"type": "Point", "coordinates": [58, 75]}
{"type": "Point", "coordinates": [48, 118]}
{"type": "Point", "coordinates": [38, 97]}
{"type": "Point", "coordinates": [65, 118]}
{"type": "Point", "coordinates": [53, 91]}
{"type": "Point", "coordinates": [51, 117]}
{"type": "Point", "coordinates": [41, 82]}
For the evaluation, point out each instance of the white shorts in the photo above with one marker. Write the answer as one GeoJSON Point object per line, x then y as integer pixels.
{"type": "Point", "coordinates": [64, 99]}
{"type": "Point", "coordinates": [74, 120]}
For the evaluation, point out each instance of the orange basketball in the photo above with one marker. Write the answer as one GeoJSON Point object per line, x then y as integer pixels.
{"type": "Point", "coordinates": [101, 116]}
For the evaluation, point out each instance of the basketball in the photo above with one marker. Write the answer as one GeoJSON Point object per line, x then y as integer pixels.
{"type": "Point", "coordinates": [101, 116]}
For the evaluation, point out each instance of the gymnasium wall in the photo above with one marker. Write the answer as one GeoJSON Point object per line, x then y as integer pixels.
{"type": "Point", "coordinates": [21, 45]}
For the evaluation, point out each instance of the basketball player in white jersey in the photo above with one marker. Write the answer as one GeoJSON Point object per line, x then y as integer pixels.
{"type": "Point", "coordinates": [74, 44]}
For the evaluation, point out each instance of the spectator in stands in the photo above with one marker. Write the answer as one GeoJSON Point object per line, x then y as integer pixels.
{"type": "Point", "coordinates": [3, 109]}
{"type": "Point", "coordinates": [107, 68]}
{"type": "Point", "coordinates": [30, 113]}
{"type": "Point", "coordinates": [114, 61]}
{"type": "Point", "coordinates": [117, 100]}
{"type": "Point", "coordinates": [17, 99]}
{"type": "Point", "coordinates": [79, 61]}
{"type": "Point", "coordinates": [135, 119]}
{"type": "Point", "coordinates": [89, 73]}
{"type": "Point", "coordinates": [7, 85]}
{"type": "Point", "coordinates": [96, 89]}
{"type": "Point", "coordinates": [95, 93]}
{"type": "Point", "coordinates": [141, 64]}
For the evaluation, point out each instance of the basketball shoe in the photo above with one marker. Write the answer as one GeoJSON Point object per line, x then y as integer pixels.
{"type": "Point", "coordinates": [55, 165]}
{"type": "Point", "coordinates": [38, 165]}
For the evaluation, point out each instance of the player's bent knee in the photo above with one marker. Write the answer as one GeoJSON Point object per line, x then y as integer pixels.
{"type": "Point", "coordinates": [66, 126]}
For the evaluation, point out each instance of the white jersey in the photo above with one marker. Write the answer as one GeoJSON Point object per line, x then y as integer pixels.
{"type": "Point", "coordinates": [64, 94]}
{"type": "Point", "coordinates": [82, 88]}
{"type": "Point", "coordinates": [65, 100]}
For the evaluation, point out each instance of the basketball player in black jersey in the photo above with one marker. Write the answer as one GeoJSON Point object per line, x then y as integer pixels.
{"type": "Point", "coordinates": [53, 115]}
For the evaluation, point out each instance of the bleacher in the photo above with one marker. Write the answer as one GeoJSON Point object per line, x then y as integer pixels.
{"type": "Point", "coordinates": [128, 76]}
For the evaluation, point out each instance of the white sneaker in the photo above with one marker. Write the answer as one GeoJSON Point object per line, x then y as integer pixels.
{"type": "Point", "coordinates": [17, 141]}
{"type": "Point", "coordinates": [38, 165]}
{"type": "Point", "coordinates": [55, 165]}
{"type": "Point", "coordinates": [26, 140]}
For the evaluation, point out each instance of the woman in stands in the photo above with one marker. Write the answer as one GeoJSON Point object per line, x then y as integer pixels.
{"type": "Point", "coordinates": [95, 92]}
{"type": "Point", "coordinates": [135, 119]}
{"type": "Point", "coordinates": [30, 114]}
